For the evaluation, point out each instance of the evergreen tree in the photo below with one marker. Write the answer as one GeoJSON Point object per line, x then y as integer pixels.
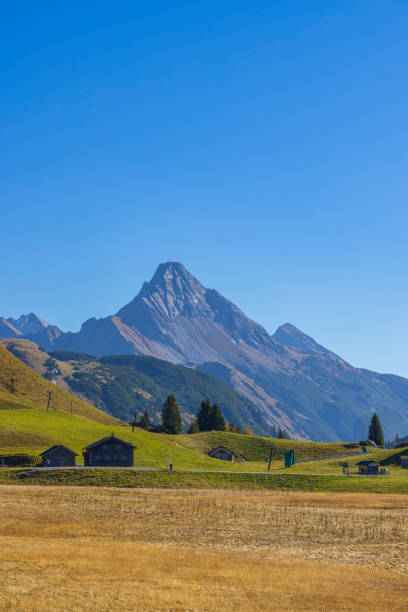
{"type": "Point", "coordinates": [193, 428]}
{"type": "Point", "coordinates": [248, 431]}
{"type": "Point", "coordinates": [144, 421]}
{"type": "Point", "coordinates": [216, 420]}
{"type": "Point", "coordinates": [375, 432]}
{"type": "Point", "coordinates": [281, 435]}
{"type": "Point", "coordinates": [203, 416]}
{"type": "Point", "coordinates": [171, 419]}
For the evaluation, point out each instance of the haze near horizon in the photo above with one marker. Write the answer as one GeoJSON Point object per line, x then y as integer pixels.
{"type": "Point", "coordinates": [262, 146]}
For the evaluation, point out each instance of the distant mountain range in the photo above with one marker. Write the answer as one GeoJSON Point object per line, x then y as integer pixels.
{"type": "Point", "coordinates": [296, 383]}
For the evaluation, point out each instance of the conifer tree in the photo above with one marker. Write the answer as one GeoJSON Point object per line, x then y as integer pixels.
{"type": "Point", "coordinates": [171, 419]}
{"type": "Point", "coordinates": [281, 435]}
{"type": "Point", "coordinates": [375, 432]}
{"type": "Point", "coordinates": [203, 416]}
{"type": "Point", "coordinates": [193, 428]}
{"type": "Point", "coordinates": [144, 420]}
{"type": "Point", "coordinates": [216, 420]}
{"type": "Point", "coordinates": [248, 431]}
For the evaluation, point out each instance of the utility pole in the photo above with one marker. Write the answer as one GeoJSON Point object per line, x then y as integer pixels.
{"type": "Point", "coordinates": [71, 406]}
{"type": "Point", "coordinates": [49, 399]}
{"type": "Point", "coordinates": [12, 385]}
{"type": "Point", "coordinates": [134, 423]}
{"type": "Point", "coordinates": [270, 459]}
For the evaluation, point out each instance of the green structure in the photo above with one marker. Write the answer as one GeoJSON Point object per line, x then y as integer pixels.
{"type": "Point", "coordinates": [289, 458]}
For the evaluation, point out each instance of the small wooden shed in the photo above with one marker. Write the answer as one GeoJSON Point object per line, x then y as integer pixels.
{"type": "Point", "coordinates": [58, 456]}
{"type": "Point", "coordinates": [110, 451]}
{"type": "Point", "coordinates": [221, 452]}
{"type": "Point", "coordinates": [367, 468]}
{"type": "Point", "coordinates": [404, 461]}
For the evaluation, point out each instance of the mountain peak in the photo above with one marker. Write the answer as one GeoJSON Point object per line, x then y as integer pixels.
{"type": "Point", "coordinates": [290, 336]}
{"type": "Point", "coordinates": [29, 323]}
{"type": "Point", "coordinates": [172, 272]}
{"type": "Point", "coordinates": [174, 283]}
{"type": "Point", "coordinates": [171, 291]}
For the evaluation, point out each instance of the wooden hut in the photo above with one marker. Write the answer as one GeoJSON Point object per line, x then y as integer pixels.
{"type": "Point", "coordinates": [368, 468]}
{"type": "Point", "coordinates": [110, 451]}
{"type": "Point", "coordinates": [58, 456]}
{"type": "Point", "coordinates": [404, 461]}
{"type": "Point", "coordinates": [223, 453]}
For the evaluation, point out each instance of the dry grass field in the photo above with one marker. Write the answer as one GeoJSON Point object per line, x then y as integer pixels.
{"type": "Point", "coordinates": [69, 548]}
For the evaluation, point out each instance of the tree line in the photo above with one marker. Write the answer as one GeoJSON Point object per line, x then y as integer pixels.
{"type": "Point", "coordinates": [209, 418]}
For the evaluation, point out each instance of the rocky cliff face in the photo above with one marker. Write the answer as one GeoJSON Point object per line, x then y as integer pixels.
{"type": "Point", "coordinates": [297, 383]}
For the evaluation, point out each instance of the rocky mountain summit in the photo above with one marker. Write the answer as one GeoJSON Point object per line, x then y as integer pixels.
{"type": "Point", "coordinates": [30, 327]}
{"type": "Point", "coordinates": [295, 382]}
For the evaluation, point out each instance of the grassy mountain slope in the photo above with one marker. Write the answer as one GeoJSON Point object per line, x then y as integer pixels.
{"type": "Point", "coordinates": [255, 448]}
{"type": "Point", "coordinates": [30, 430]}
{"type": "Point", "coordinates": [123, 385]}
{"type": "Point", "coordinates": [25, 428]}
{"type": "Point", "coordinates": [30, 385]}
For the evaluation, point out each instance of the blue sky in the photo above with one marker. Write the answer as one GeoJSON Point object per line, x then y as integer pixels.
{"type": "Point", "coordinates": [263, 144]}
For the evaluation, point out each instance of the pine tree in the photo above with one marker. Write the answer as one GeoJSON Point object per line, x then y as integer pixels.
{"type": "Point", "coordinates": [193, 428]}
{"type": "Point", "coordinates": [216, 420]}
{"type": "Point", "coordinates": [144, 421]}
{"type": "Point", "coordinates": [375, 432]}
{"type": "Point", "coordinates": [171, 419]}
{"type": "Point", "coordinates": [281, 435]}
{"type": "Point", "coordinates": [203, 416]}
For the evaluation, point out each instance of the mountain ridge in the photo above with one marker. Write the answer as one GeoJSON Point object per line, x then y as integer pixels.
{"type": "Point", "coordinates": [298, 384]}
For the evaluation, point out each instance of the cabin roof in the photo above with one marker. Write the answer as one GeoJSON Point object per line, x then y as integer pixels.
{"type": "Point", "coordinates": [58, 446]}
{"type": "Point", "coordinates": [367, 462]}
{"type": "Point", "coordinates": [111, 437]}
{"type": "Point", "coordinates": [224, 448]}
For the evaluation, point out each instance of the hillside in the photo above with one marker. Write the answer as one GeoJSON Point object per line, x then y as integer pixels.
{"type": "Point", "coordinates": [255, 448]}
{"type": "Point", "coordinates": [26, 426]}
{"type": "Point", "coordinates": [28, 429]}
{"type": "Point", "coordinates": [123, 385]}
{"type": "Point", "coordinates": [30, 386]}
{"type": "Point", "coordinates": [294, 382]}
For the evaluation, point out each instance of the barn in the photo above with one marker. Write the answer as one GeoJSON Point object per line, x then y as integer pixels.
{"type": "Point", "coordinates": [367, 468]}
{"type": "Point", "coordinates": [222, 453]}
{"type": "Point", "coordinates": [58, 456]}
{"type": "Point", "coordinates": [110, 451]}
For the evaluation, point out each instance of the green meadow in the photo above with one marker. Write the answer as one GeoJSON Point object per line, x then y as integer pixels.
{"type": "Point", "coordinates": [28, 428]}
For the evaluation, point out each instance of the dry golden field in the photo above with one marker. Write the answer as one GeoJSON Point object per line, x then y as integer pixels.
{"type": "Point", "coordinates": [67, 548]}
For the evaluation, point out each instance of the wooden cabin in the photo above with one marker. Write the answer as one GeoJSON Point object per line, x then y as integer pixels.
{"type": "Point", "coordinates": [224, 453]}
{"type": "Point", "coordinates": [368, 468]}
{"type": "Point", "coordinates": [58, 456]}
{"type": "Point", "coordinates": [110, 451]}
{"type": "Point", "coordinates": [404, 461]}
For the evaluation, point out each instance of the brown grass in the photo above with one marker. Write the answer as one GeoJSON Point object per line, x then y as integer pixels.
{"type": "Point", "coordinates": [117, 549]}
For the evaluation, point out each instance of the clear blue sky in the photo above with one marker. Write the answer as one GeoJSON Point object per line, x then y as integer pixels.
{"type": "Point", "coordinates": [261, 143]}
